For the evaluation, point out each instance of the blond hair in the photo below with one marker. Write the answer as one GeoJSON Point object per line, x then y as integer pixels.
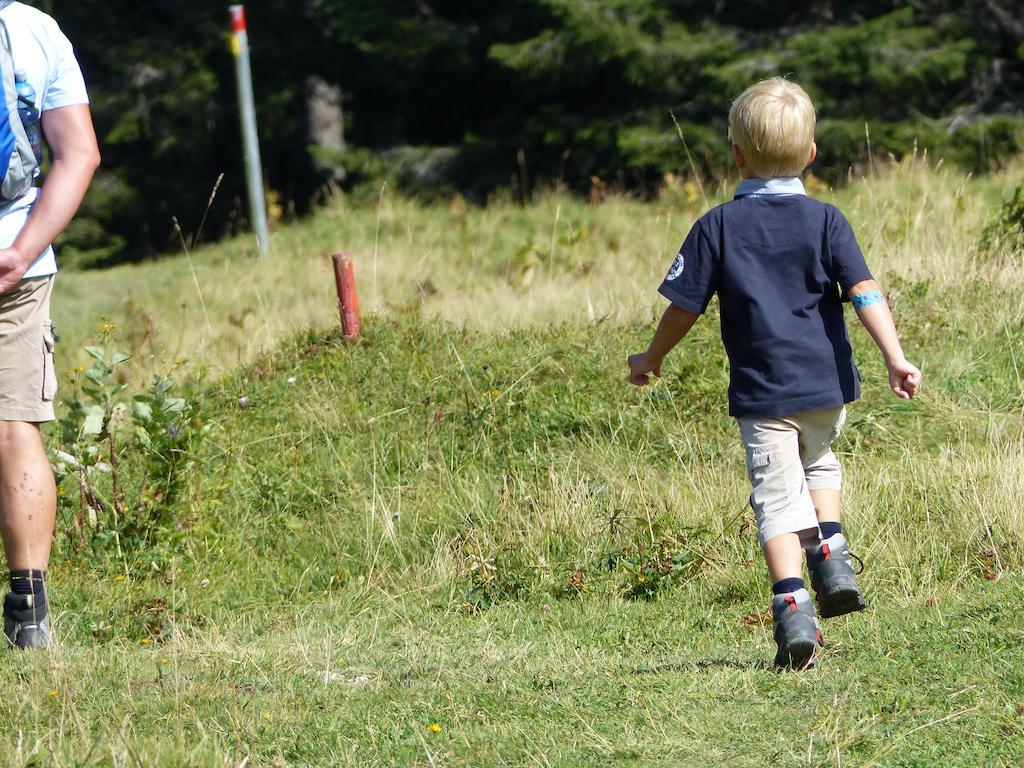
{"type": "Point", "coordinates": [772, 122]}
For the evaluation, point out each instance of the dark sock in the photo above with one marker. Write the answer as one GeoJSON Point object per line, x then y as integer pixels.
{"type": "Point", "coordinates": [28, 582]}
{"type": "Point", "coordinates": [785, 586]}
{"type": "Point", "coordinates": [828, 530]}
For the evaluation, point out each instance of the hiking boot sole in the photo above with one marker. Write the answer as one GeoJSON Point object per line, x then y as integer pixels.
{"type": "Point", "coordinates": [797, 655]}
{"type": "Point", "coordinates": [840, 602]}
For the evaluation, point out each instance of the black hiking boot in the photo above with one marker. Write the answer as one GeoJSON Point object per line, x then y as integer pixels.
{"type": "Point", "coordinates": [833, 578]}
{"type": "Point", "coordinates": [25, 622]}
{"type": "Point", "coordinates": [796, 630]}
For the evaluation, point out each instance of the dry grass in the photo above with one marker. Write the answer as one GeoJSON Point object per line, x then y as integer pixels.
{"type": "Point", "coordinates": [493, 269]}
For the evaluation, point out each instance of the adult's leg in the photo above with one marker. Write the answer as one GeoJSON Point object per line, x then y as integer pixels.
{"type": "Point", "coordinates": [27, 492]}
{"type": "Point", "coordinates": [28, 497]}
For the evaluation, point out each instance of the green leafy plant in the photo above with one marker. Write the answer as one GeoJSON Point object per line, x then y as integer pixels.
{"type": "Point", "coordinates": [652, 568]}
{"type": "Point", "coordinates": [124, 463]}
{"type": "Point", "coordinates": [1005, 232]}
{"type": "Point", "coordinates": [168, 431]}
{"type": "Point", "coordinates": [500, 577]}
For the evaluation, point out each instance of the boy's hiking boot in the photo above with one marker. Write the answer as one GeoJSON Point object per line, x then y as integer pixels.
{"type": "Point", "coordinates": [796, 630]}
{"type": "Point", "coordinates": [833, 578]}
{"type": "Point", "coordinates": [25, 622]}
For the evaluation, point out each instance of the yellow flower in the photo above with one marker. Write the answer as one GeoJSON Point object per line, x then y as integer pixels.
{"type": "Point", "coordinates": [119, 577]}
{"type": "Point", "coordinates": [266, 715]}
{"type": "Point", "coordinates": [495, 393]}
{"type": "Point", "coordinates": [144, 641]}
{"type": "Point", "coordinates": [53, 694]}
{"type": "Point", "coordinates": [435, 728]}
{"type": "Point", "coordinates": [165, 661]}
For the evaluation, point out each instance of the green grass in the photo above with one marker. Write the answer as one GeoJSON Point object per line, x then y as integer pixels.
{"type": "Point", "coordinates": [360, 680]}
{"type": "Point", "coordinates": [462, 521]}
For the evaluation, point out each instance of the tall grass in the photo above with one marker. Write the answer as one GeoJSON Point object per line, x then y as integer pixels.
{"type": "Point", "coordinates": [496, 268]}
{"type": "Point", "coordinates": [465, 541]}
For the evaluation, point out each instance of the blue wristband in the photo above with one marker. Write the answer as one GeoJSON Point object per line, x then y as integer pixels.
{"type": "Point", "coordinates": [862, 300]}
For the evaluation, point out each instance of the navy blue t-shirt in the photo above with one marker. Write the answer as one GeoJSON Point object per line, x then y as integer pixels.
{"type": "Point", "coordinates": [774, 262]}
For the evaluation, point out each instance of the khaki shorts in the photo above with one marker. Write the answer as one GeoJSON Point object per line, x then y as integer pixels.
{"type": "Point", "coordinates": [28, 381]}
{"type": "Point", "coordinates": [788, 458]}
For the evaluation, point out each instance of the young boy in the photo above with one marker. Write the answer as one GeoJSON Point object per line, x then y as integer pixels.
{"type": "Point", "coordinates": [775, 257]}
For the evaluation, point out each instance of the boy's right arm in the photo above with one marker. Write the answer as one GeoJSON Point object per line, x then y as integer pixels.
{"type": "Point", "coordinates": [674, 325]}
{"type": "Point", "coordinates": [874, 314]}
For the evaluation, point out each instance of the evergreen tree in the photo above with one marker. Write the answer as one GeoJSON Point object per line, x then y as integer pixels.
{"type": "Point", "coordinates": [523, 93]}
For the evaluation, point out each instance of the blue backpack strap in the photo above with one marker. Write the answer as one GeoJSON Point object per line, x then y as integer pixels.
{"type": "Point", "coordinates": [17, 157]}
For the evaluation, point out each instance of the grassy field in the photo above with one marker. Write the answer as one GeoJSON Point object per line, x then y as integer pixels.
{"type": "Point", "coordinates": [466, 541]}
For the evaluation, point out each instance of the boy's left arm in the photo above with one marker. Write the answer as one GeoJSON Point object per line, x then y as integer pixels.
{"type": "Point", "coordinates": [874, 314]}
{"type": "Point", "coordinates": [674, 325]}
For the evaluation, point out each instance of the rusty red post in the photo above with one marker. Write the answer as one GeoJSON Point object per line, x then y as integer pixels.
{"type": "Point", "coordinates": [348, 297]}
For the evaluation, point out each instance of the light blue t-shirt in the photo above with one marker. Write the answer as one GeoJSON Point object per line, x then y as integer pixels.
{"type": "Point", "coordinates": [48, 59]}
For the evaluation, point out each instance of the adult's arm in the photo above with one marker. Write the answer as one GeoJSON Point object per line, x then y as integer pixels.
{"type": "Point", "coordinates": [76, 155]}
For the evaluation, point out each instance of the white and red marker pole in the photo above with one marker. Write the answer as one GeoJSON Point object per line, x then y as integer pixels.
{"type": "Point", "coordinates": [250, 138]}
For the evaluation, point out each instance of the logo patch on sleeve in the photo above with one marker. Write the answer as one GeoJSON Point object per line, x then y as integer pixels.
{"type": "Point", "coordinates": [677, 268]}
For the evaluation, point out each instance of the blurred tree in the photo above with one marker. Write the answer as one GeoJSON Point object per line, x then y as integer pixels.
{"type": "Point", "coordinates": [449, 94]}
{"type": "Point", "coordinates": [157, 79]}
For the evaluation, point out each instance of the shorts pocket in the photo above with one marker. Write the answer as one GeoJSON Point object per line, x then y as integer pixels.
{"type": "Point", "coordinates": [49, 369]}
{"type": "Point", "coordinates": [770, 488]}
{"type": "Point", "coordinates": [759, 457]}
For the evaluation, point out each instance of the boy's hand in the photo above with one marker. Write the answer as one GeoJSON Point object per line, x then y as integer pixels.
{"type": "Point", "coordinates": [904, 379]}
{"type": "Point", "coordinates": [640, 366]}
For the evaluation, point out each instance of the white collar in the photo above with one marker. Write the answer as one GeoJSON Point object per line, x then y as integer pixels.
{"type": "Point", "coordinates": [778, 186]}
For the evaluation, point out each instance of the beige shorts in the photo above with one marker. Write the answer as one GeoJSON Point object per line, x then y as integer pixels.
{"type": "Point", "coordinates": [787, 458]}
{"type": "Point", "coordinates": [28, 381]}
